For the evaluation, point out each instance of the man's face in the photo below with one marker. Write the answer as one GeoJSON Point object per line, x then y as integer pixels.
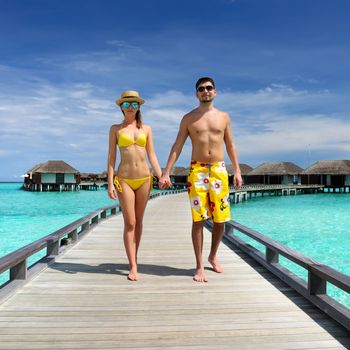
{"type": "Point", "coordinates": [206, 92]}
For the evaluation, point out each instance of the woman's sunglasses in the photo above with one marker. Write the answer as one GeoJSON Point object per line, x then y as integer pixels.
{"type": "Point", "coordinates": [208, 88]}
{"type": "Point", "coordinates": [134, 105]}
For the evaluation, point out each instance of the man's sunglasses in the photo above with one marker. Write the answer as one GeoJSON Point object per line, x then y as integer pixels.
{"type": "Point", "coordinates": [134, 105]}
{"type": "Point", "coordinates": [208, 88]}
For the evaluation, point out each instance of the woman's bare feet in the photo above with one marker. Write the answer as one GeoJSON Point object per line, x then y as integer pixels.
{"type": "Point", "coordinates": [215, 264]}
{"type": "Point", "coordinates": [200, 276]}
{"type": "Point", "coordinates": [132, 276]}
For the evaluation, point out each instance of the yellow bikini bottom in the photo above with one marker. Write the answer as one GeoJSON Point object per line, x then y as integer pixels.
{"type": "Point", "coordinates": [134, 184]}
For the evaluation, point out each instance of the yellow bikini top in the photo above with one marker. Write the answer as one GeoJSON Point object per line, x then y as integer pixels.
{"type": "Point", "coordinates": [124, 140]}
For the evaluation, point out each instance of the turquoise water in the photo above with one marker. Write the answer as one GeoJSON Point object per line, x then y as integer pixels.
{"type": "Point", "coordinates": [27, 216]}
{"type": "Point", "coordinates": [317, 225]}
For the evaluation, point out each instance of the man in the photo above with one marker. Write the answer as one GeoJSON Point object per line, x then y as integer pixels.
{"type": "Point", "coordinates": [209, 130]}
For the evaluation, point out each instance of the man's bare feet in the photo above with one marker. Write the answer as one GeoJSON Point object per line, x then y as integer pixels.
{"type": "Point", "coordinates": [132, 276]}
{"type": "Point", "coordinates": [215, 264]}
{"type": "Point", "coordinates": [200, 276]}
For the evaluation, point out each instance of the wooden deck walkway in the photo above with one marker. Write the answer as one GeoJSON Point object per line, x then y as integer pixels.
{"type": "Point", "coordinates": [84, 301]}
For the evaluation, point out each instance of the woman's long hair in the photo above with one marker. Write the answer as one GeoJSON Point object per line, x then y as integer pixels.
{"type": "Point", "coordinates": [138, 118]}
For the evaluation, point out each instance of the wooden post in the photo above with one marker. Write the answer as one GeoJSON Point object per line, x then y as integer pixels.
{"type": "Point", "coordinates": [53, 248]}
{"type": "Point", "coordinates": [271, 256]}
{"type": "Point", "coordinates": [316, 284]}
{"type": "Point", "coordinates": [73, 235]}
{"type": "Point", "coordinates": [228, 229]}
{"type": "Point", "coordinates": [85, 226]}
{"type": "Point", "coordinates": [19, 271]}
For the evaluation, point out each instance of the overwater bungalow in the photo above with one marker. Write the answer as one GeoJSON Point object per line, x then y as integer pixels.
{"type": "Point", "coordinates": [275, 173]}
{"type": "Point", "coordinates": [54, 175]}
{"type": "Point", "coordinates": [245, 170]}
{"type": "Point", "coordinates": [178, 176]}
{"type": "Point", "coordinates": [88, 177]}
{"type": "Point", "coordinates": [93, 181]}
{"type": "Point", "coordinates": [333, 174]}
{"type": "Point", "coordinates": [102, 177]}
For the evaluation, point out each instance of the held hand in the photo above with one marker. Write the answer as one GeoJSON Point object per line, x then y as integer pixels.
{"type": "Point", "coordinates": [164, 182]}
{"type": "Point", "coordinates": [168, 184]}
{"type": "Point", "coordinates": [237, 181]}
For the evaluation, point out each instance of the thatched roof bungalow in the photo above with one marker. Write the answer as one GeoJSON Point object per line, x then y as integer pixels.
{"type": "Point", "coordinates": [179, 170]}
{"type": "Point", "coordinates": [88, 177]}
{"type": "Point", "coordinates": [331, 173]}
{"type": "Point", "coordinates": [93, 177]}
{"type": "Point", "coordinates": [178, 175]}
{"type": "Point", "coordinates": [281, 173]}
{"type": "Point", "coordinates": [54, 175]}
{"type": "Point", "coordinates": [245, 170]}
{"type": "Point", "coordinates": [103, 176]}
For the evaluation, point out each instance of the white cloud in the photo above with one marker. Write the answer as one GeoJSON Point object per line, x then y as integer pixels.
{"type": "Point", "coordinates": [280, 120]}
{"type": "Point", "coordinates": [293, 135]}
{"type": "Point", "coordinates": [5, 152]}
{"type": "Point", "coordinates": [275, 120]}
{"type": "Point", "coordinates": [42, 120]}
{"type": "Point", "coordinates": [273, 98]}
{"type": "Point", "coordinates": [121, 44]}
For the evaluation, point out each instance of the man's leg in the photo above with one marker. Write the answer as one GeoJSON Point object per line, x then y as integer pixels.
{"type": "Point", "coordinates": [218, 232]}
{"type": "Point", "coordinates": [219, 196]}
{"type": "Point", "coordinates": [197, 240]}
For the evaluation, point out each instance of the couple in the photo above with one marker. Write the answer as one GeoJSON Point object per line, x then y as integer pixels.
{"type": "Point", "coordinates": [209, 130]}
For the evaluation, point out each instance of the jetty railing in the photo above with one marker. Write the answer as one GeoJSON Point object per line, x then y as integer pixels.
{"type": "Point", "coordinates": [314, 289]}
{"type": "Point", "coordinates": [262, 187]}
{"type": "Point", "coordinates": [55, 243]}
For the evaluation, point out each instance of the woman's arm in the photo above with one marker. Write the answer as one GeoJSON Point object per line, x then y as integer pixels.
{"type": "Point", "coordinates": [112, 156]}
{"type": "Point", "coordinates": [151, 154]}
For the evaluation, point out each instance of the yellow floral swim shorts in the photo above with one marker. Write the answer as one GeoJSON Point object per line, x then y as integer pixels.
{"type": "Point", "coordinates": [209, 192]}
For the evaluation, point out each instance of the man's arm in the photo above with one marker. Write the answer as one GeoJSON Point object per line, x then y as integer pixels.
{"type": "Point", "coordinates": [175, 151]}
{"type": "Point", "coordinates": [232, 153]}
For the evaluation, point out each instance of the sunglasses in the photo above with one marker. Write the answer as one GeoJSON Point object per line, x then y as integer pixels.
{"type": "Point", "coordinates": [208, 88]}
{"type": "Point", "coordinates": [134, 105]}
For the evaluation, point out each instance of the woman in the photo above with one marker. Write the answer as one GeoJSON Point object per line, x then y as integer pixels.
{"type": "Point", "coordinates": [133, 179]}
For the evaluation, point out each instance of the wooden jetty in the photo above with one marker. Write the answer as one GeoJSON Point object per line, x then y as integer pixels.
{"type": "Point", "coordinates": [250, 191]}
{"type": "Point", "coordinates": [83, 300]}
{"type": "Point", "coordinates": [92, 185]}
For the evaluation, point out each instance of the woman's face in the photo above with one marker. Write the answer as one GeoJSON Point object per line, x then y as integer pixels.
{"type": "Point", "coordinates": [130, 107]}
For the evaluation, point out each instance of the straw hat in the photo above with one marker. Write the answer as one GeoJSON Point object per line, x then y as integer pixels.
{"type": "Point", "coordinates": [130, 96]}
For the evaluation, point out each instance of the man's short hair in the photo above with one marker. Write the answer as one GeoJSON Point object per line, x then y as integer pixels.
{"type": "Point", "coordinates": [203, 80]}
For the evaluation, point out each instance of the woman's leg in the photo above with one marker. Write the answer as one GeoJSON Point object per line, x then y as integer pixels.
{"type": "Point", "coordinates": [141, 198]}
{"type": "Point", "coordinates": [127, 203]}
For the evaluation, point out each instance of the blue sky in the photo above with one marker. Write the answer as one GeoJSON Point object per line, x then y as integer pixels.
{"type": "Point", "coordinates": [281, 68]}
